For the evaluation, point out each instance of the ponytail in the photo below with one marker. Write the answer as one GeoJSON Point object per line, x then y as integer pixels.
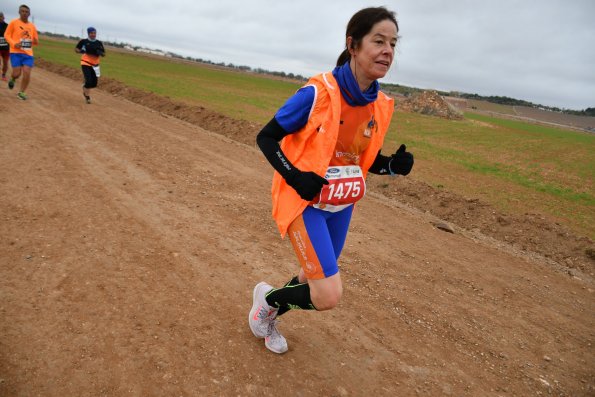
{"type": "Point", "coordinates": [344, 57]}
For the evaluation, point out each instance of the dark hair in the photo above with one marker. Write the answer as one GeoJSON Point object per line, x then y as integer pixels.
{"type": "Point", "coordinates": [361, 24]}
{"type": "Point", "coordinates": [25, 6]}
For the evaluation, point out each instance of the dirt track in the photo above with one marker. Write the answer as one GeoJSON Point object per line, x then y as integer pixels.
{"type": "Point", "coordinates": [130, 242]}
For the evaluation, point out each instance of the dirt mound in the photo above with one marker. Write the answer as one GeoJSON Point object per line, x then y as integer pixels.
{"type": "Point", "coordinates": [524, 234]}
{"type": "Point", "coordinates": [431, 104]}
{"type": "Point", "coordinates": [531, 233]}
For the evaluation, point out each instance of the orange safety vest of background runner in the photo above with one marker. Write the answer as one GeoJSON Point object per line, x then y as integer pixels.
{"type": "Point", "coordinates": [311, 148]}
{"type": "Point", "coordinates": [90, 60]}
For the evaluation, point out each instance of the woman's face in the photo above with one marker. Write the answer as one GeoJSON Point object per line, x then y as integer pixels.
{"type": "Point", "coordinates": [373, 57]}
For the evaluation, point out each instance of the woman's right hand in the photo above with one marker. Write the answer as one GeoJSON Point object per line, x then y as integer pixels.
{"type": "Point", "coordinates": [307, 184]}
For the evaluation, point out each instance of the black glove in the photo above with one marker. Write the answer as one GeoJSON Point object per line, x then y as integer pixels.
{"type": "Point", "coordinates": [402, 161]}
{"type": "Point", "coordinates": [307, 184]}
{"type": "Point", "coordinates": [100, 53]}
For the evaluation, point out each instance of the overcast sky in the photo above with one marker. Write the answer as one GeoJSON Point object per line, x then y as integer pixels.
{"type": "Point", "coordinates": [542, 51]}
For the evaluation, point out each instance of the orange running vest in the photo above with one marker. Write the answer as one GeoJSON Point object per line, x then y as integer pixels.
{"type": "Point", "coordinates": [311, 148]}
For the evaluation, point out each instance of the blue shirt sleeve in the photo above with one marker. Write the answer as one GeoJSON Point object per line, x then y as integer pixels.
{"type": "Point", "coordinates": [293, 115]}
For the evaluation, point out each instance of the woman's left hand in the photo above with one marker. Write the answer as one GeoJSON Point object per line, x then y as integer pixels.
{"type": "Point", "coordinates": [402, 161]}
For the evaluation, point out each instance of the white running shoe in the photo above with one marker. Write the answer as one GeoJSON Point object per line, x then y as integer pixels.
{"type": "Point", "coordinates": [274, 341]}
{"type": "Point", "coordinates": [261, 313]}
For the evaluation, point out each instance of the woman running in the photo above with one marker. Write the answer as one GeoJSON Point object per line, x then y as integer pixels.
{"type": "Point", "coordinates": [331, 133]}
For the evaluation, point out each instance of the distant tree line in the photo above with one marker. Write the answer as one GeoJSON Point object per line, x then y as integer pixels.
{"type": "Point", "coordinates": [393, 88]}
{"type": "Point", "coordinates": [504, 100]}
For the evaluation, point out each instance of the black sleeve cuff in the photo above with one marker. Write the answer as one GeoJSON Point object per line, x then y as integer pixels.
{"type": "Point", "coordinates": [268, 141]}
{"type": "Point", "coordinates": [380, 165]}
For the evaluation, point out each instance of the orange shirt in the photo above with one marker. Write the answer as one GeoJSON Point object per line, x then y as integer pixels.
{"type": "Point", "coordinates": [355, 131]}
{"type": "Point", "coordinates": [21, 32]}
{"type": "Point", "coordinates": [347, 184]}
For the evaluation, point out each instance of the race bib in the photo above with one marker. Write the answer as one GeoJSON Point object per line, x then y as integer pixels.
{"type": "Point", "coordinates": [97, 71]}
{"type": "Point", "coordinates": [26, 44]}
{"type": "Point", "coordinates": [346, 185]}
{"type": "Point", "coordinates": [3, 41]}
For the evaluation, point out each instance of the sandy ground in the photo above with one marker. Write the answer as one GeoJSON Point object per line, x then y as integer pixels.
{"type": "Point", "coordinates": [130, 242]}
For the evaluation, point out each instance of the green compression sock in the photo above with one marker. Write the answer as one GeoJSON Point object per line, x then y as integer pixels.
{"type": "Point", "coordinates": [290, 297]}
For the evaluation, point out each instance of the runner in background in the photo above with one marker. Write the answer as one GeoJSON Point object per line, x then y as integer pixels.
{"type": "Point", "coordinates": [4, 48]}
{"type": "Point", "coordinates": [92, 49]}
{"type": "Point", "coordinates": [332, 131]}
{"type": "Point", "coordinates": [21, 36]}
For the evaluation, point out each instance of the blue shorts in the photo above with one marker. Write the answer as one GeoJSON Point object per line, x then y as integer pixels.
{"type": "Point", "coordinates": [18, 59]}
{"type": "Point", "coordinates": [318, 238]}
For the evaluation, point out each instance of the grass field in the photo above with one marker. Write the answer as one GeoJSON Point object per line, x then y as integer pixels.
{"type": "Point", "coordinates": [515, 166]}
{"type": "Point", "coordinates": [490, 107]}
{"type": "Point", "coordinates": [240, 95]}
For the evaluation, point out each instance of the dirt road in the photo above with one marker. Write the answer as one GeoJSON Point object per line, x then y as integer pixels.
{"type": "Point", "coordinates": [130, 242]}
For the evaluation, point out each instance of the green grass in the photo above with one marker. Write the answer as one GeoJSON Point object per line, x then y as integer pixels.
{"type": "Point", "coordinates": [247, 96]}
{"type": "Point", "coordinates": [515, 166]}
